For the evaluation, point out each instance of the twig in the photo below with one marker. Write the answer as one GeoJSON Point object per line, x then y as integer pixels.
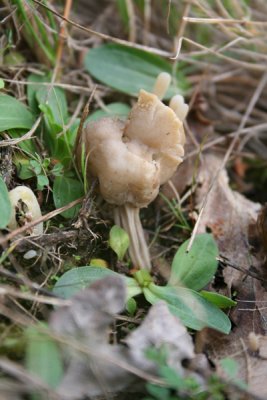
{"type": "Point", "coordinates": [225, 262]}
{"type": "Point", "coordinates": [244, 64]}
{"type": "Point", "coordinates": [224, 21]}
{"type": "Point", "coordinates": [67, 9]}
{"type": "Point", "coordinates": [31, 285]}
{"type": "Point", "coordinates": [26, 136]}
{"type": "Point", "coordinates": [9, 291]}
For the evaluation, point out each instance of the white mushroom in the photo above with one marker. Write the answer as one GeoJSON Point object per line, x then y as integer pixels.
{"type": "Point", "coordinates": [25, 208]}
{"type": "Point", "coordinates": [132, 159]}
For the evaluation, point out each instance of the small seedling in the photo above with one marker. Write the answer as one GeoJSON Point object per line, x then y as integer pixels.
{"type": "Point", "coordinates": [191, 271]}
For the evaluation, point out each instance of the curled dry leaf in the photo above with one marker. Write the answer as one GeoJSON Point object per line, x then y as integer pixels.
{"type": "Point", "coordinates": [95, 367]}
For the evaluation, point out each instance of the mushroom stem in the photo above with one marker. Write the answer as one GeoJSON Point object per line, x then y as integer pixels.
{"type": "Point", "coordinates": [128, 218]}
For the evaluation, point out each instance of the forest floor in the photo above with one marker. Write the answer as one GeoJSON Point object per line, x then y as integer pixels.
{"type": "Point", "coordinates": [77, 320]}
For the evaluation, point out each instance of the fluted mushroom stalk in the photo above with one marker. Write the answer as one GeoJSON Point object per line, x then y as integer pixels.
{"type": "Point", "coordinates": [132, 159]}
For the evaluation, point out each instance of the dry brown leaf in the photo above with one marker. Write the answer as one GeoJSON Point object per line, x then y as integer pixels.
{"type": "Point", "coordinates": [228, 215]}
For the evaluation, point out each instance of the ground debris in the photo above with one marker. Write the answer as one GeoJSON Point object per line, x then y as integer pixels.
{"type": "Point", "coordinates": [96, 367]}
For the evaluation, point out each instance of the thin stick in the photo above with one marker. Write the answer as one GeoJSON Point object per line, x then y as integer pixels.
{"type": "Point", "coordinates": [9, 291]}
{"type": "Point", "coordinates": [247, 65]}
{"type": "Point", "coordinates": [62, 33]}
{"type": "Point", "coordinates": [224, 21]}
{"type": "Point", "coordinates": [26, 136]}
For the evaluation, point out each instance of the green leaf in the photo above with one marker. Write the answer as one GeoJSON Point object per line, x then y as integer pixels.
{"type": "Point", "coordinates": [24, 167]}
{"type": "Point", "coordinates": [218, 299]}
{"type": "Point", "coordinates": [131, 306]}
{"type": "Point", "coordinates": [193, 310]}
{"type": "Point", "coordinates": [54, 104]}
{"type": "Point", "coordinates": [66, 190]}
{"type": "Point", "coordinates": [129, 70]}
{"type": "Point", "coordinates": [133, 288]}
{"type": "Point", "coordinates": [43, 356]}
{"type": "Point", "coordinates": [195, 269]}
{"type": "Point", "coordinates": [33, 87]}
{"type": "Point", "coordinates": [119, 241]}
{"type": "Point", "coordinates": [119, 110]}
{"type": "Point", "coordinates": [42, 181]}
{"type": "Point", "coordinates": [58, 140]}
{"type": "Point", "coordinates": [2, 83]}
{"type": "Point", "coordinates": [5, 205]}
{"type": "Point", "coordinates": [80, 278]}
{"type": "Point", "coordinates": [14, 114]}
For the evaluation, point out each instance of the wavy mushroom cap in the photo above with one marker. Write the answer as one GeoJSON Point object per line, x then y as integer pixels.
{"type": "Point", "coordinates": [158, 127]}
{"type": "Point", "coordinates": [132, 159]}
{"type": "Point", "coordinates": [126, 171]}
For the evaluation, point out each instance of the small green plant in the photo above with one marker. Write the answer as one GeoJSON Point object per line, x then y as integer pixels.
{"type": "Point", "coordinates": [177, 387]}
{"type": "Point", "coordinates": [191, 271]}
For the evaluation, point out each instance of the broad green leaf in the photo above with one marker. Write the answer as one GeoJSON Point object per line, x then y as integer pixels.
{"type": "Point", "coordinates": [119, 241]}
{"type": "Point", "coordinates": [33, 87]}
{"type": "Point", "coordinates": [52, 100]}
{"type": "Point", "coordinates": [193, 310]}
{"type": "Point", "coordinates": [43, 357]}
{"type": "Point", "coordinates": [195, 269]}
{"type": "Point", "coordinates": [5, 205]}
{"type": "Point", "coordinates": [218, 299]}
{"type": "Point", "coordinates": [2, 83]}
{"type": "Point", "coordinates": [80, 278]}
{"type": "Point", "coordinates": [119, 110]}
{"type": "Point", "coordinates": [65, 190]}
{"type": "Point", "coordinates": [129, 70]}
{"type": "Point", "coordinates": [14, 114]}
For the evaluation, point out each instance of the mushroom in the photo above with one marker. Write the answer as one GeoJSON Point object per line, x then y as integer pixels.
{"type": "Point", "coordinates": [132, 159]}
{"type": "Point", "coordinates": [25, 208]}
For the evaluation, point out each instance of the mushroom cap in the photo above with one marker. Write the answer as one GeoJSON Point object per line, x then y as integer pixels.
{"type": "Point", "coordinates": [126, 170]}
{"type": "Point", "coordinates": [158, 127]}
{"type": "Point", "coordinates": [132, 159]}
{"type": "Point", "coordinates": [23, 200]}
